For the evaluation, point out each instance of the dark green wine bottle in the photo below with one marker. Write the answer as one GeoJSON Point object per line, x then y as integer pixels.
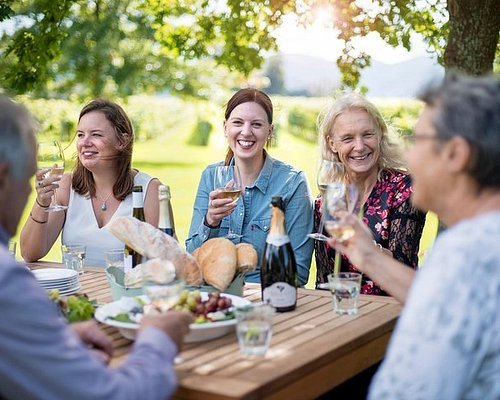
{"type": "Point", "coordinates": [278, 270]}
{"type": "Point", "coordinates": [132, 257]}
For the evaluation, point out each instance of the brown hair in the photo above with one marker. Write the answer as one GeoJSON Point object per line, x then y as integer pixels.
{"type": "Point", "coordinates": [248, 95]}
{"type": "Point", "coordinates": [83, 181]}
{"type": "Point", "coordinates": [390, 154]}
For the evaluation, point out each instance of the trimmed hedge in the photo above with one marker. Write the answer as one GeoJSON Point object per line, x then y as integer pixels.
{"type": "Point", "coordinates": [400, 115]}
{"type": "Point", "coordinates": [201, 133]}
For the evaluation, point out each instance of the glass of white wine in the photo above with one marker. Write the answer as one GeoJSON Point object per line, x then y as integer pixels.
{"type": "Point", "coordinates": [227, 180]}
{"type": "Point", "coordinates": [51, 156]}
{"type": "Point", "coordinates": [339, 197]}
{"type": "Point", "coordinates": [329, 172]}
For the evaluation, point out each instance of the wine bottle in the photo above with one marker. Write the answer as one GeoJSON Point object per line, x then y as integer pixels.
{"type": "Point", "coordinates": [278, 270]}
{"type": "Point", "coordinates": [165, 214]}
{"type": "Point", "coordinates": [132, 257]}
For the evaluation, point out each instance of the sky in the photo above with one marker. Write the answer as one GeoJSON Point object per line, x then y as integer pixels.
{"type": "Point", "coordinates": [318, 41]}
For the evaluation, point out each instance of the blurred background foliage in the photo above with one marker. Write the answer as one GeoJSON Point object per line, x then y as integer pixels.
{"type": "Point", "coordinates": [89, 48]}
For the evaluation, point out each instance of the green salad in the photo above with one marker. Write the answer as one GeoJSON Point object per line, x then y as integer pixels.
{"type": "Point", "coordinates": [74, 308]}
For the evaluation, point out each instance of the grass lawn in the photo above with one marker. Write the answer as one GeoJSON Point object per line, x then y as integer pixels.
{"type": "Point", "coordinates": [179, 165]}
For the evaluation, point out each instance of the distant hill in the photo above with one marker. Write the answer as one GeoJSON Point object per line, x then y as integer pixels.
{"type": "Point", "coordinates": [306, 75]}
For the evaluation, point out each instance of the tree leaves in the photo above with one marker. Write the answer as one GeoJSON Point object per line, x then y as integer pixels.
{"type": "Point", "coordinates": [118, 47]}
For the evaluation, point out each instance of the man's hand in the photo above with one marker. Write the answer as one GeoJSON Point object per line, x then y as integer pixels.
{"type": "Point", "coordinates": [94, 338]}
{"type": "Point", "coordinates": [175, 324]}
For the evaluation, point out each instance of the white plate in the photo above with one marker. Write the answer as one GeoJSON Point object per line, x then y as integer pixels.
{"type": "Point", "coordinates": [198, 333]}
{"type": "Point", "coordinates": [54, 274]}
{"type": "Point", "coordinates": [69, 291]}
{"type": "Point", "coordinates": [72, 282]}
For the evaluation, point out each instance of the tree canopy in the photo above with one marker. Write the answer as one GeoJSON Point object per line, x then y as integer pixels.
{"type": "Point", "coordinates": [95, 47]}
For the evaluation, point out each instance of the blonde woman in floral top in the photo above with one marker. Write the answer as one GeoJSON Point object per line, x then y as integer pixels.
{"type": "Point", "coordinates": [353, 132]}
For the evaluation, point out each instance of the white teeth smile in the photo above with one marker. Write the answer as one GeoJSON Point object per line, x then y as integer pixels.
{"type": "Point", "coordinates": [360, 158]}
{"type": "Point", "coordinates": [245, 143]}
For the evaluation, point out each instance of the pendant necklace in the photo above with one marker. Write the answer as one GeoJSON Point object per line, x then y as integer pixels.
{"type": "Point", "coordinates": [104, 206]}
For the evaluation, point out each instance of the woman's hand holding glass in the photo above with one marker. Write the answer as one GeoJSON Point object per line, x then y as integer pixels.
{"type": "Point", "coordinates": [339, 198]}
{"type": "Point", "coordinates": [50, 161]}
{"type": "Point", "coordinates": [218, 208]}
{"type": "Point", "coordinates": [223, 200]}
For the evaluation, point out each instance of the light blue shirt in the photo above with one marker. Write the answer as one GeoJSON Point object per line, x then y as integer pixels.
{"type": "Point", "coordinates": [42, 358]}
{"type": "Point", "coordinates": [252, 216]}
{"type": "Point", "coordinates": [447, 341]}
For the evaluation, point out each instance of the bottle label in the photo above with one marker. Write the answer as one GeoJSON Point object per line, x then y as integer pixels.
{"type": "Point", "coordinates": [277, 240]}
{"type": "Point", "coordinates": [137, 200]}
{"type": "Point", "coordinates": [127, 263]}
{"type": "Point", "coordinates": [280, 294]}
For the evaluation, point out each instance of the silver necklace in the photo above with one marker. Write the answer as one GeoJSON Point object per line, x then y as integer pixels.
{"type": "Point", "coordinates": [104, 206]}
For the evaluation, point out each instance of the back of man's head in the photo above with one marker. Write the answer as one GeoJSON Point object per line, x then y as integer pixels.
{"type": "Point", "coordinates": [17, 127]}
{"type": "Point", "coordinates": [470, 107]}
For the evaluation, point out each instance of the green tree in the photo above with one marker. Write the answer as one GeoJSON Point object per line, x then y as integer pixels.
{"type": "Point", "coordinates": [463, 34]}
{"type": "Point", "coordinates": [122, 46]}
{"type": "Point", "coordinates": [133, 45]}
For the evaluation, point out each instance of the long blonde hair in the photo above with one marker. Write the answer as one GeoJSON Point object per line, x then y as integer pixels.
{"type": "Point", "coordinates": [390, 153]}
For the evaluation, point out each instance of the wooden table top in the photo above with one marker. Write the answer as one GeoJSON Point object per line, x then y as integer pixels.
{"type": "Point", "coordinates": [312, 349]}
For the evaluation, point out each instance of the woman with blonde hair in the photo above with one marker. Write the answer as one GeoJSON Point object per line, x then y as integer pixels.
{"type": "Point", "coordinates": [353, 132]}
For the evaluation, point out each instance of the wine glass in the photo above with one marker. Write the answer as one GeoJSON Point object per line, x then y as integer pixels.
{"type": "Point", "coordinates": [227, 180]}
{"type": "Point", "coordinates": [51, 156]}
{"type": "Point", "coordinates": [329, 172]}
{"type": "Point", "coordinates": [339, 197]}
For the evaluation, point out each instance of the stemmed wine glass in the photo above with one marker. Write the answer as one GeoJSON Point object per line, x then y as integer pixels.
{"type": "Point", "coordinates": [339, 197]}
{"type": "Point", "coordinates": [329, 172]}
{"type": "Point", "coordinates": [227, 180]}
{"type": "Point", "coordinates": [51, 156]}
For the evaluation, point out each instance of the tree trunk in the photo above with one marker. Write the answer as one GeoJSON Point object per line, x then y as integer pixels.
{"type": "Point", "coordinates": [473, 36]}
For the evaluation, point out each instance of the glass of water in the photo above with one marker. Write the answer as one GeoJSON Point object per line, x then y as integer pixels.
{"type": "Point", "coordinates": [160, 285]}
{"type": "Point", "coordinates": [254, 329]}
{"type": "Point", "coordinates": [345, 288]}
{"type": "Point", "coordinates": [73, 256]}
{"type": "Point", "coordinates": [115, 258]}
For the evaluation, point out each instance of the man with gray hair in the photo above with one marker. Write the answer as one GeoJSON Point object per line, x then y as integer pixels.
{"type": "Point", "coordinates": [447, 341]}
{"type": "Point", "coordinates": [40, 356]}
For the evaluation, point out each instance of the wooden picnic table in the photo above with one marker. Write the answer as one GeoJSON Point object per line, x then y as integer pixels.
{"type": "Point", "coordinates": [312, 349]}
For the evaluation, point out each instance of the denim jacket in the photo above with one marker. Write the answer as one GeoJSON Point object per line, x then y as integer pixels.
{"type": "Point", "coordinates": [252, 216]}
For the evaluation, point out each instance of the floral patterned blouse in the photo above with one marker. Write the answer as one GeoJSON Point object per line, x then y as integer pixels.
{"type": "Point", "coordinates": [394, 222]}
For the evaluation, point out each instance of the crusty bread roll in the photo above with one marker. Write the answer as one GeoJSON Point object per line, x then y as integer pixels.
{"type": "Point", "coordinates": [153, 243]}
{"type": "Point", "coordinates": [217, 259]}
{"type": "Point", "coordinates": [246, 258]}
{"type": "Point", "coordinates": [195, 254]}
{"type": "Point", "coordinates": [158, 270]}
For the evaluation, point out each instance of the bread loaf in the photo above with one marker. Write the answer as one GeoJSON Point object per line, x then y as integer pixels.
{"type": "Point", "coordinates": [217, 259]}
{"type": "Point", "coordinates": [153, 243]}
{"type": "Point", "coordinates": [158, 270]}
{"type": "Point", "coordinates": [246, 258]}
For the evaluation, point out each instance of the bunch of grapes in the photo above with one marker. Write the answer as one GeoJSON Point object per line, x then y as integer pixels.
{"type": "Point", "coordinates": [191, 301]}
